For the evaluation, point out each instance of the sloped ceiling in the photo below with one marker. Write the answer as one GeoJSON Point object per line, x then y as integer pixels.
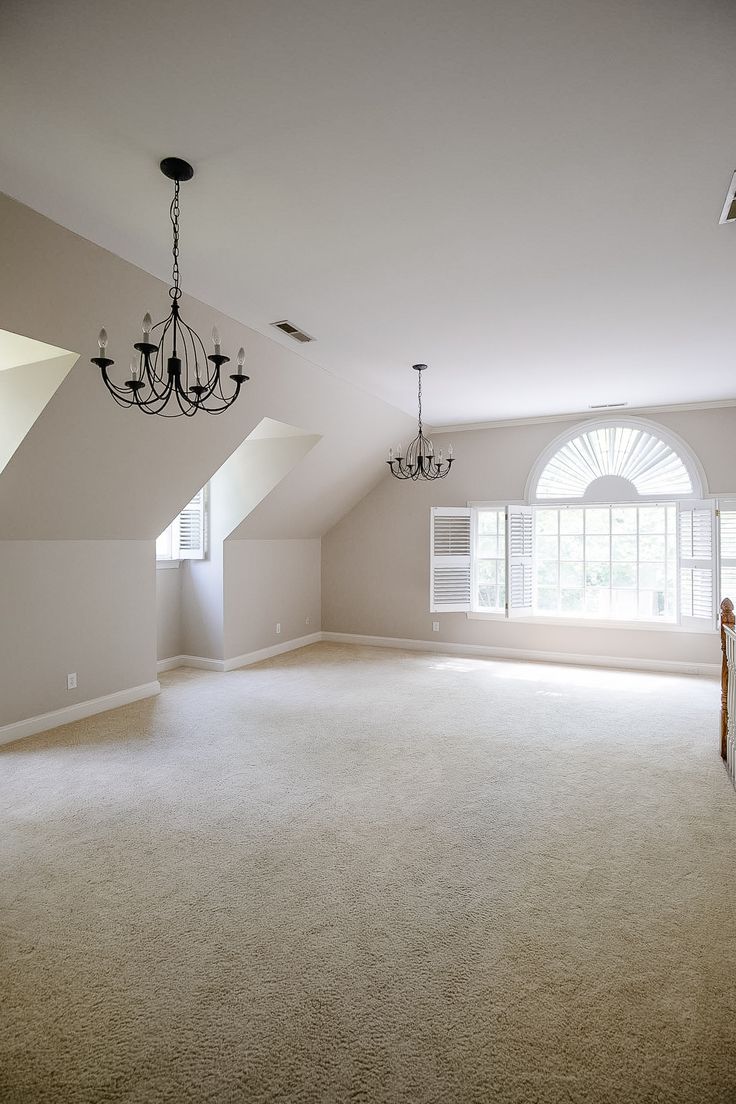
{"type": "Point", "coordinates": [30, 373]}
{"type": "Point", "coordinates": [89, 470]}
{"type": "Point", "coordinates": [522, 193]}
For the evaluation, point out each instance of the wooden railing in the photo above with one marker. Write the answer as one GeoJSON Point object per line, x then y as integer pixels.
{"type": "Point", "coordinates": [728, 685]}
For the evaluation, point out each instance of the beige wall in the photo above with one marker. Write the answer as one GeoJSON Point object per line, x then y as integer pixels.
{"type": "Point", "coordinates": [96, 482]}
{"type": "Point", "coordinates": [270, 581]}
{"type": "Point", "coordinates": [169, 639]}
{"type": "Point", "coordinates": [375, 561]}
{"type": "Point", "coordinates": [84, 606]}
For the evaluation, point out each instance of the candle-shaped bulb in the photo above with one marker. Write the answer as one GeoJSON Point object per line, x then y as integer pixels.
{"type": "Point", "coordinates": [390, 455]}
{"type": "Point", "coordinates": [440, 456]}
{"type": "Point", "coordinates": [241, 357]}
{"type": "Point", "coordinates": [398, 452]}
{"type": "Point", "coordinates": [147, 325]}
{"type": "Point", "coordinates": [102, 340]}
{"type": "Point", "coordinates": [133, 370]}
{"type": "Point", "coordinates": [216, 340]}
{"type": "Point", "coordinates": [450, 451]}
{"type": "Point", "coordinates": [430, 448]}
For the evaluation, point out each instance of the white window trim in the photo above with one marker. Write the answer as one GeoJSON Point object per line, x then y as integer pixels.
{"type": "Point", "coordinates": [691, 462]}
{"type": "Point", "coordinates": [588, 622]}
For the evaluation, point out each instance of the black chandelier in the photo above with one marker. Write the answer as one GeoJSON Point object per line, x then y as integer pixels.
{"type": "Point", "coordinates": [420, 461]}
{"type": "Point", "coordinates": [190, 376]}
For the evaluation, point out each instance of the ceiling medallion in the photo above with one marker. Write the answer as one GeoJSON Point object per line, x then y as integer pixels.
{"type": "Point", "coordinates": [420, 461]}
{"type": "Point", "coordinates": [171, 373]}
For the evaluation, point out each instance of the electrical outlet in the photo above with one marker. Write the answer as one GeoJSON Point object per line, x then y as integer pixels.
{"type": "Point", "coordinates": [278, 627]}
{"type": "Point", "coordinates": [71, 681]}
{"type": "Point", "coordinates": [435, 626]}
{"type": "Point", "coordinates": [307, 620]}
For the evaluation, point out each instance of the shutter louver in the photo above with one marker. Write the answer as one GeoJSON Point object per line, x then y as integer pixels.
{"type": "Point", "coordinates": [697, 564]}
{"type": "Point", "coordinates": [450, 571]}
{"type": "Point", "coordinates": [727, 533]}
{"type": "Point", "coordinates": [191, 529]}
{"type": "Point", "coordinates": [519, 543]}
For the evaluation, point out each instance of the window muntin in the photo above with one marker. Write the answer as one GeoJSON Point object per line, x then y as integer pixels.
{"type": "Point", "coordinates": [629, 454]}
{"type": "Point", "coordinates": [615, 562]}
{"type": "Point", "coordinates": [490, 560]}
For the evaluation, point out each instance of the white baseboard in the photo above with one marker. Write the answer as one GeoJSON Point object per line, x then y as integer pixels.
{"type": "Point", "coordinates": [673, 667]}
{"type": "Point", "coordinates": [268, 653]}
{"type": "Point", "coordinates": [44, 721]}
{"type": "Point", "coordinates": [200, 662]}
{"type": "Point", "coordinates": [244, 660]}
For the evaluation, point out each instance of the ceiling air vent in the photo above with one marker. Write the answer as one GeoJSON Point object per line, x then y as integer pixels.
{"type": "Point", "coordinates": [606, 406]}
{"type": "Point", "coordinates": [292, 330]}
{"type": "Point", "coordinates": [728, 214]}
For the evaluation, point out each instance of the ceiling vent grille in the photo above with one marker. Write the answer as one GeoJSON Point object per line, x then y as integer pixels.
{"type": "Point", "coordinates": [607, 406]}
{"type": "Point", "coordinates": [293, 331]}
{"type": "Point", "coordinates": [728, 214]}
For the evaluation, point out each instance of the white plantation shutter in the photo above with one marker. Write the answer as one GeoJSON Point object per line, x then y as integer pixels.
{"type": "Point", "coordinates": [190, 529]}
{"type": "Point", "coordinates": [696, 534]}
{"type": "Point", "coordinates": [519, 549]}
{"type": "Point", "coordinates": [450, 572]}
{"type": "Point", "coordinates": [727, 545]}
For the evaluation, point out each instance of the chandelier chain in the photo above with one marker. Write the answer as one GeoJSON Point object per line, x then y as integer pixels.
{"type": "Point", "coordinates": [420, 402]}
{"type": "Point", "coordinates": [174, 213]}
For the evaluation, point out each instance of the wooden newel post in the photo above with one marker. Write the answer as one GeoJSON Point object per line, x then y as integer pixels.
{"type": "Point", "coordinates": [727, 619]}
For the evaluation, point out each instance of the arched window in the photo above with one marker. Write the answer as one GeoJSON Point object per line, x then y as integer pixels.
{"type": "Point", "coordinates": [615, 527]}
{"type": "Point", "coordinates": [615, 461]}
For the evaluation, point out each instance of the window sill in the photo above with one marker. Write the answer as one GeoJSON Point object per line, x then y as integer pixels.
{"type": "Point", "coordinates": [162, 565]}
{"type": "Point", "coordinates": [590, 623]}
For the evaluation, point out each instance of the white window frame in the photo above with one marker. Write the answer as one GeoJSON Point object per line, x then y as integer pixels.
{"type": "Point", "coordinates": [698, 497]}
{"type": "Point", "coordinates": [180, 547]}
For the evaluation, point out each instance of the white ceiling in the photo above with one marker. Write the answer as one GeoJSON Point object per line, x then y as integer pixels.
{"type": "Point", "coordinates": [525, 195]}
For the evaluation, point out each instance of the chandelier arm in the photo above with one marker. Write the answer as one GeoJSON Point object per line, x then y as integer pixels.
{"type": "Point", "coordinates": [120, 394]}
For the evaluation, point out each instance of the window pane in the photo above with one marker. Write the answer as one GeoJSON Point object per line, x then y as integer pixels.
{"type": "Point", "coordinates": [163, 545]}
{"type": "Point", "coordinates": [651, 548]}
{"type": "Point", "coordinates": [547, 598]}
{"type": "Point", "coordinates": [623, 603]}
{"type": "Point", "coordinates": [547, 572]}
{"type": "Point", "coordinates": [547, 548]}
{"type": "Point", "coordinates": [651, 576]}
{"type": "Point", "coordinates": [571, 548]}
{"type": "Point", "coordinates": [623, 575]}
{"type": "Point", "coordinates": [488, 547]}
{"type": "Point", "coordinates": [487, 597]}
{"type": "Point", "coordinates": [651, 519]}
{"type": "Point", "coordinates": [597, 521]}
{"type": "Point", "coordinates": [572, 574]}
{"type": "Point", "coordinates": [571, 521]}
{"type": "Point", "coordinates": [623, 548]}
{"type": "Point", "coordinates": [596, 548]}
{"type": "Point", "coordinates": [598, 602]}
{"type": "Point", "coordinates": [623, 519]}
{"type": "Point", "coordinates": [487, 571]}
{"type": "Point", "coordinates": [487, 522]}
{"type": "Point", "coordinates": [547, 521]}
{"type": "Point", "coordinates": [597, 574]}
{"type": "Point", "coordinates": [651, 603]}
{"type": "Point", "coordinates": [572, 601]}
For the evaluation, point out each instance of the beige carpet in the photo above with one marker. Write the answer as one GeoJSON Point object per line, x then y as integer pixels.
{"type": "Point", "coordinates": [354, 875]}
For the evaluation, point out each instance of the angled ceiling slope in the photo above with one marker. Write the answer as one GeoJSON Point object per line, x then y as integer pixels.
{"type": "Point", "coordinates": [30, 373]}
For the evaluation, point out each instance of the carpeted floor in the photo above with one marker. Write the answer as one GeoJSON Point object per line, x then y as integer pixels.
{"type": "Point", "coordinates": [355, 875]}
